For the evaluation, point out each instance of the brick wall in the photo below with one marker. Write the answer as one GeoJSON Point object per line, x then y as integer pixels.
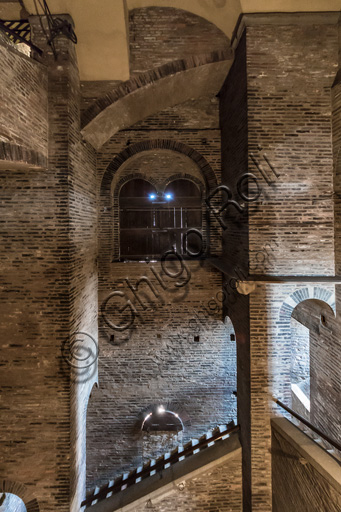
{"type": "Point", "coordinates": [92, 90]}
{"type": "Point", "coordinates": [218, 489]}
{"type": "Point", "coordinates": [23, 112]}
{"type": "Point", "coordinates": [49, 288]}
{"type": "Point", "coordinates": [325, 377]}
{"type": "Point", "coordinates": [234, 146]}
{"type": "Point", "coordinates": [290, 74]}
{"type": "Point", "coordinates": [300, 355]}
{"type": "Point", "coordinates": [158, 362]}
{"type": "Point", "coordinates": [158, 35]}
{"type": "Point", "coordinates": [234, 234]}
{"type": "Point", "coordinates": [300, 483]}
{"type": "Point", "coordinates": [288, 114]}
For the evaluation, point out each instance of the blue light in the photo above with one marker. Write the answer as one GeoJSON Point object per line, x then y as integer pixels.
{"type": "Point", "coordinates": [169, 196]}
{"type": "Point", "coordinates": [152, 196]}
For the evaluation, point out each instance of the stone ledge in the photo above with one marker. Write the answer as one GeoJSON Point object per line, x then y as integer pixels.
{"type": "Point", "coordinates": [324, 463]}
{"type": "Point", "coordinates": [13, 156]}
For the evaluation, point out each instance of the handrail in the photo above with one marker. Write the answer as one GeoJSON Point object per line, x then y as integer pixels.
{"type": "Point", "coordinates": [159, 465]}
{"type": "Point", "coordinates": [9, 30]}
{"type": "Point", "coordinates": [308, 424]}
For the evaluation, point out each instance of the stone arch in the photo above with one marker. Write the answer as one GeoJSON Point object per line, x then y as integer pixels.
{"type": "Point", "coordinates": [152, 91]}
{"type": "Point", "coordinates": [20, 490]}
{"type": "Point", "coordinates": [281, 347]}
{"type": "Point", "coordinates": [309, 292]}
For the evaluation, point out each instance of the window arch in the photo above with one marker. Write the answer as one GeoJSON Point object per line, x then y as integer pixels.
{"type": "Point", "coordinates": [155, 221]}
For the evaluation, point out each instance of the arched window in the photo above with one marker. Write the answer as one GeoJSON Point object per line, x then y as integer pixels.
{"type": "Point", "coordinates": [153, 222]}
{"type": "Point", "coordinates": [136, 219]}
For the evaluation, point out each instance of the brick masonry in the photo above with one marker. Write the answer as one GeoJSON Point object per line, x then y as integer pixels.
{"type": "Point", "coordinates": [49, 265]}
{"type": "Point", "coordinates": [218, 489]}
{"type": "Point", "coordinates": [294, 131]}
{"type": "Point", "coordinates": [23, 112]}
{"type": "Point", "coordinates": [297, 483]}
{"type": "Point", "coordinates": [290, 229]}
{"type": "Point", "coordinates": [158, 35]}
{"type": "Point", "coordinates": [163, 346]}
{"type": "Point", "coordinates": [49, 276]}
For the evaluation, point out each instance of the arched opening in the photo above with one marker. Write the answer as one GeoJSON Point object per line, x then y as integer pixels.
{"type": "Point", "coordinates": [307, 320]}
{"type": "Point", "coordinates": [162, 429]}
{"type": "Point", "coordinates": [11, 503]}
{"type": "Point", "coordinates": [231, 366]}
{"type": "Point", "coordinates": [162, 420]}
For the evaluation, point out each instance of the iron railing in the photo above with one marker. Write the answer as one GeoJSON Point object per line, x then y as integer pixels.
{"type": "Point", "coordinates": [19, 31]}
{"type": "Point", "coordinates": [312, 427]}
{"type": "Point", "coordinates": [151, 467]}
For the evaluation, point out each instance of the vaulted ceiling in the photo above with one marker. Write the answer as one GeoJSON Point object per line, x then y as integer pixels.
{"type": "Point", "coordinates": [102, 27]}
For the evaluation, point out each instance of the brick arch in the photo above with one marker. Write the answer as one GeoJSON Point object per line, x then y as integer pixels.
{"type": "Point", "coordinates": [20, 490]}
{"type": "Point", "coordinates": [183, 176]}
{"type": "Point", "coordinates": [282, 344]}
{"type": "Point", "coordinates": [309, 292]}
{"type": "Point", "coordinates": [172, 145]}
{"type": "Point", "coordinates": [134, 176]}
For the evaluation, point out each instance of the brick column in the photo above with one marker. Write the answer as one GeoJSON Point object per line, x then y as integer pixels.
{"type": "Point", "coordinates": [290, 62]}
{"type": "Point", "coordinates": [73, 163]}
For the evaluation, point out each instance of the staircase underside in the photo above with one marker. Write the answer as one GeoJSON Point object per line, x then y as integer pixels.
{"type": "Point", "coordinates": [165, 481]}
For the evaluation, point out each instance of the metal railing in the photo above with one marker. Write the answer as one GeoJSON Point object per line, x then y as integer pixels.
{"type": "Point", "coordinates": [312, 427]}
{"type": "Point", "coordinates": [151, 467]}
{"type": "Point", "coordinates": [19, 31]}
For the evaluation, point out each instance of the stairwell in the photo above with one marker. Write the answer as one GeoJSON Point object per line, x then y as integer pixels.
{"type": "Point", "coordinates": [159, 477]}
